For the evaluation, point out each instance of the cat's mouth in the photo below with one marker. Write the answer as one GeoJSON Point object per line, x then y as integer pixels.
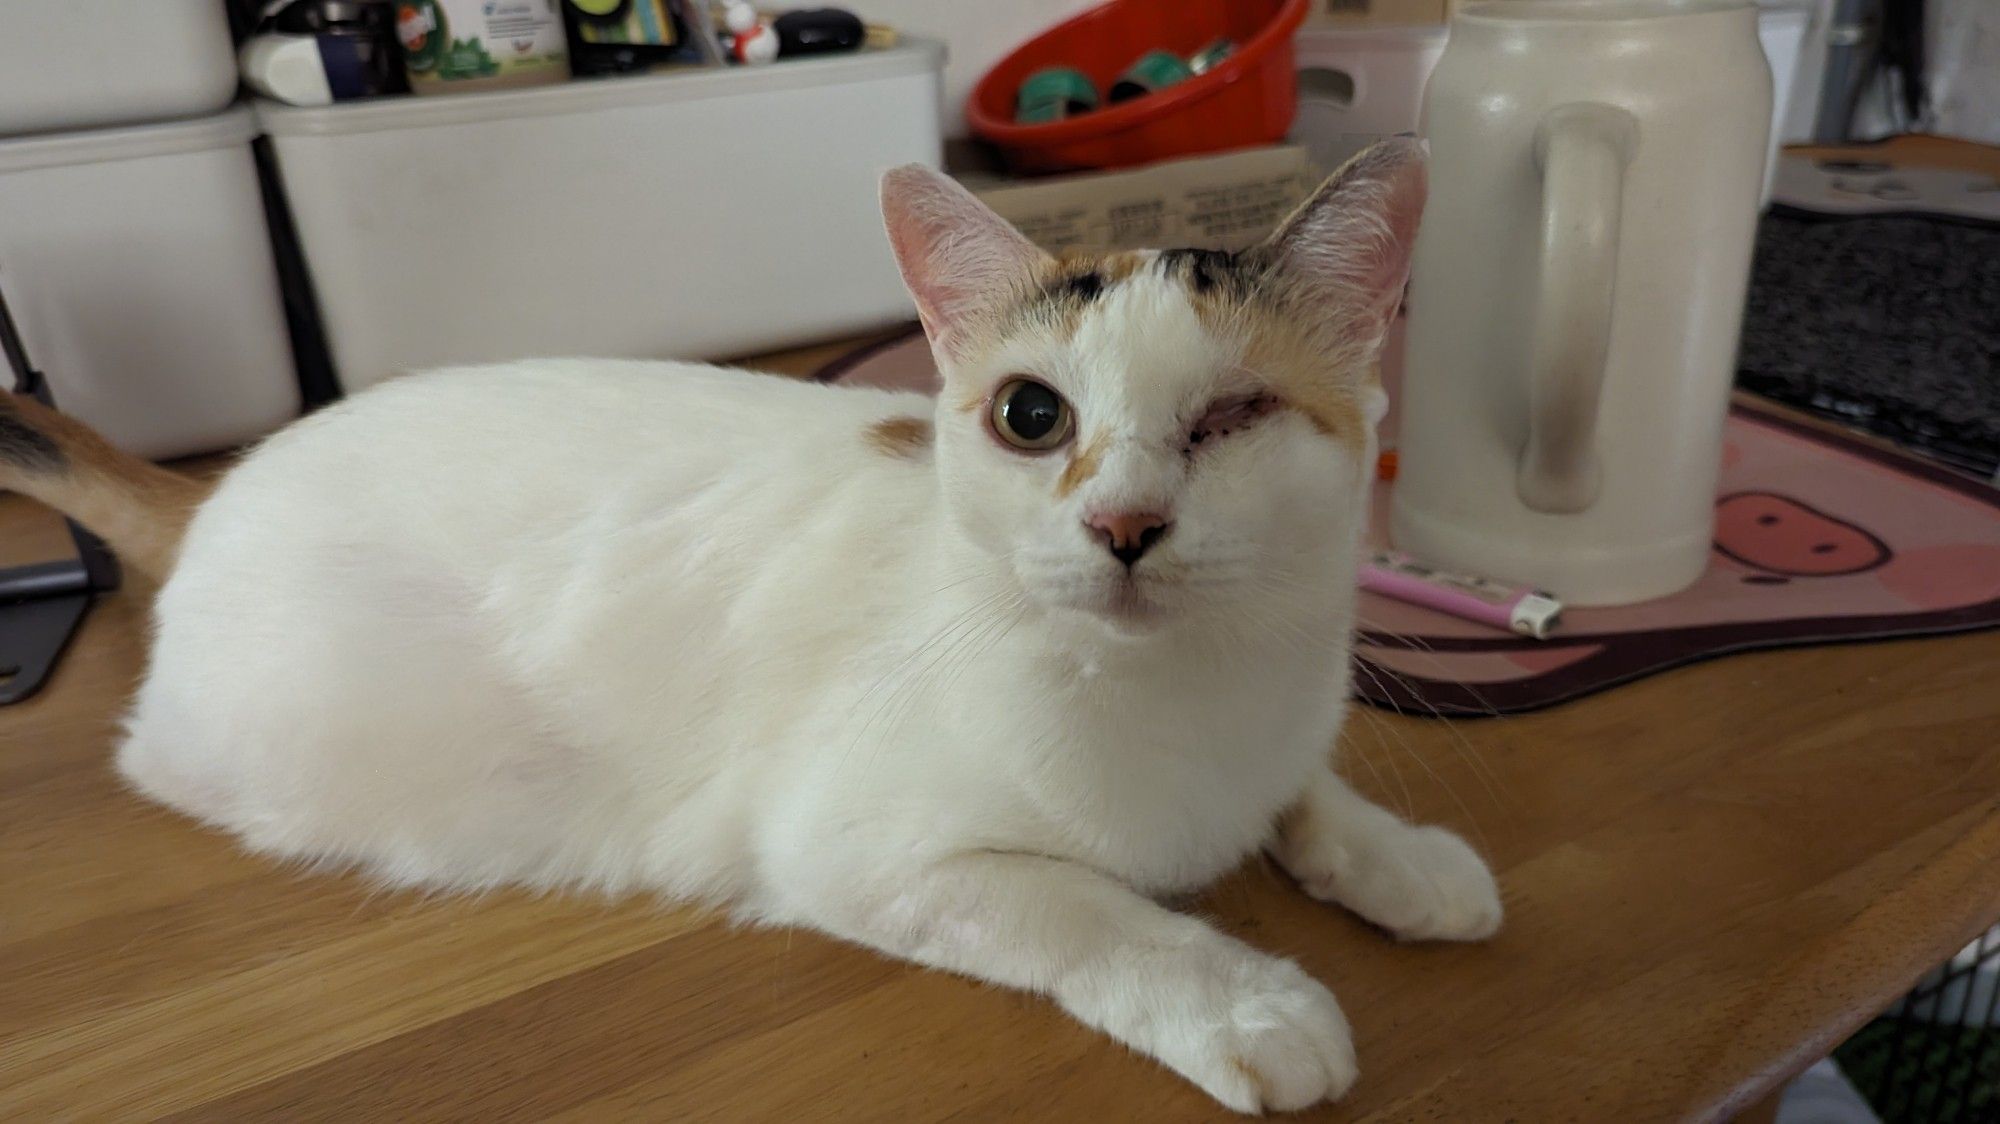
{"type": "Point", "coordinates": [1126, 601]}
{"type": "Point", "coordinates": [1129, 600]}
{"type": "Point", "coordinates": [1129, 603]}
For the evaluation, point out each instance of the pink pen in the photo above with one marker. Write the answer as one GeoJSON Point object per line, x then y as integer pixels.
{"type": "Point", "coordinates": [1529, 612]}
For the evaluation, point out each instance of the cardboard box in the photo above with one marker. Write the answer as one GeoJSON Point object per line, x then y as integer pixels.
{"type": "Point", "coordinates": [1378, 13]}
{"type": "Point", "coordinates": [1453, 7]}
{"type": "Point", "coordinates": [1224, 201]}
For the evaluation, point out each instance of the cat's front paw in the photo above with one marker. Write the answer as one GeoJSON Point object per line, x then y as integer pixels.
{"type": "Point", "coordinates": [1419, 883]}
{"type": "Point", "coordinates": [1282, 1045]}
{"type": "Point", "coordinates": [1253, 1031]}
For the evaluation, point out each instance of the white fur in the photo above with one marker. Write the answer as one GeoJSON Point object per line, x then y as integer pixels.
{"type": "Point", "coordinates": [668, 628]}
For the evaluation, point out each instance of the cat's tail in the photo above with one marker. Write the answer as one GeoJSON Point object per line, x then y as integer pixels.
{"type": "Point", "coordinates": [139, 508]}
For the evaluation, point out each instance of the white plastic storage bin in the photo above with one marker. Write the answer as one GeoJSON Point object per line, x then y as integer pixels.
{"type": "Point", "coordinates": [138, 264]}
{"type": "Point", "coordinates": [76, 64]}
{"type": "Point", "coordinates": [692, 214]}
{"type": "Point", "coordinates": [1360, 84]}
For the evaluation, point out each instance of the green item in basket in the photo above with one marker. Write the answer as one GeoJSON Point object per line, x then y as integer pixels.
{"type": "Point", "coordinates": [1053, 93]}
{"type": "Point", "coordinates": [1154, 70]}
{"type": "Point", "coordinates": [1205, 59]}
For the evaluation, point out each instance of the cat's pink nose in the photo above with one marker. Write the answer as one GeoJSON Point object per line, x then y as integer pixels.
{"type": "Point", "coordinates": [1128, 535]}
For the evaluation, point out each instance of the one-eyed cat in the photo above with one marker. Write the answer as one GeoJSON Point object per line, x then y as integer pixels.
{"type": "Point", "coordinates": [969, 680]}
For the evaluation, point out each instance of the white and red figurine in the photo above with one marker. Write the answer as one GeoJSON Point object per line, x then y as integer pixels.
{"type": "Point", "coordinates": [748, 37]}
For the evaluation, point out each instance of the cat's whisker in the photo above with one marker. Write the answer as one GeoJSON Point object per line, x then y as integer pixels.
{"type": "Point", "coordinates": [990, 613]}
{"type": "Point", "coordinates": [907, 678]}
{"type": "Point", "coordinates": [1408, 808]}
{"type": "Point", "coordinates": [1420, 645]}
{"type": "Point", "coordinates": [1455, 740]}
{"type": "Point", "coordinates": [1462, 745]}
{"type": "Point", "coordinates": [1353, 747]}
{"type": "Point", "coordinates": [964, 650]}
{"type": "Point", "coordinates": [968, 650]}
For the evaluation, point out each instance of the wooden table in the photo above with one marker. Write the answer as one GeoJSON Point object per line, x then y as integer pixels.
{"type": "Point", "coordinates": [1712, 877]}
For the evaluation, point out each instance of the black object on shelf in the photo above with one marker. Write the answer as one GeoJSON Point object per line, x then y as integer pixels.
{"type": "Point", "coordinates": [357, 42]}
{"type": "Point", "coordinates": [818, 31]}
{"type": "Point", "coordinates": [42, 604]}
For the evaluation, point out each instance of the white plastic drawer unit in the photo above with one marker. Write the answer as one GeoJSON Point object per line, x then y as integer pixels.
{"type": "Point", "coordinates": [76, 64]}
{"type": "Point", "coordinates": [691, 214]}
{"type": "Point", "coordinates": [139, 266]}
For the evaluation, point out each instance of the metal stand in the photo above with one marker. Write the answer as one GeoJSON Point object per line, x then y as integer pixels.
{"type": "Point", "coordinates": [41, 605]}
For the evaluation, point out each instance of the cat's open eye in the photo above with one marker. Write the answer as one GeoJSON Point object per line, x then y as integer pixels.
{"type": "Point", "coordinates": [1030, 416]}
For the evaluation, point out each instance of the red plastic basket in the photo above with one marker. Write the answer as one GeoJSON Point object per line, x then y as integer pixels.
{"type": "Point", "coordinates": [1247, 99]}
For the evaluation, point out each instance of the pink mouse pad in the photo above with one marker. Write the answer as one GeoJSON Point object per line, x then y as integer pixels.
{"type": "Point", "coordinates": [1818, 538]}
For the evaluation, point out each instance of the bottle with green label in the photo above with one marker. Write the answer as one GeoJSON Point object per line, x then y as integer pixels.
{"type": "Point", "coordinates": [480, 44]}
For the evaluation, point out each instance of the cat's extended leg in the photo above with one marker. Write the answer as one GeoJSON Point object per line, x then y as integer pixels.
{"type": "Point", "coordinates": [1252, 1030]}
{"type": "Point", "coordinates": [1420, 883]}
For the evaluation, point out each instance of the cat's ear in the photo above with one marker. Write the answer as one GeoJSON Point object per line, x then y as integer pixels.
{"type": "Point", "coordinates": [1348, 247]}
{"type": "Point", "coordinates": [959, 259]}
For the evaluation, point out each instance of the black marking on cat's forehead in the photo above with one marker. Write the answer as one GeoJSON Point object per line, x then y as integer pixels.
{"type": "Point", "coordinates": [1199, 269]}
{"type": "Point", "coordinates": [1086, 286]}
{"type": "Point", "coordinates": [24, 446]}
{"type": "Point", "coordinates": [1214, 271]}
{"type": "Point", "coordinates": [1068, 288]}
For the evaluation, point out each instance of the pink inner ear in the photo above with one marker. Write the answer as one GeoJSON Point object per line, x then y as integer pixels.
{"type": "Point", "coordinates": [957, 257]}
{"type": "Point", "coordinates": [1402, 210]}
{"type": "Point", "coordinates": [1353, 240]}
{"type": "Point", "coordinates": [1378, 265]}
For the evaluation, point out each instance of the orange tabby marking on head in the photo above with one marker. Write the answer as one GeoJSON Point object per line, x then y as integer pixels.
{"type": "Point", "coordinates": [1064, 287]}
{"type": "Point", "coordinates": [901, 437]}
{"type": "Point", "coordinates": [1336, 416]}
{"type": "Point", "coordinates": [1110, 267]}
{"type": "Point", "coordinates": [1081, 467]}
{"type": "Point", "coordinates": [1324, 388]}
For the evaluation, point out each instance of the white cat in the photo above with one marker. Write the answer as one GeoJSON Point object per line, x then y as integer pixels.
{"type": "Point", "coordinates": [965, 680]}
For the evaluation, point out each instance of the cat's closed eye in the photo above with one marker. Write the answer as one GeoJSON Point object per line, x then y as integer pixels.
{"type": "Point", "coordinates": [1225, 416]}
{"type": "Point", "coordinates": [1030, 416]}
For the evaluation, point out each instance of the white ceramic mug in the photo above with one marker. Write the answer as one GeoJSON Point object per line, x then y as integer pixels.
{"type": "Point", "coordinates": [1577, 289]}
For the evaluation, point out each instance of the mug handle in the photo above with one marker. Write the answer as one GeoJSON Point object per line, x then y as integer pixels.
{"type": "Point", "coordinates": [1582, 149]}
